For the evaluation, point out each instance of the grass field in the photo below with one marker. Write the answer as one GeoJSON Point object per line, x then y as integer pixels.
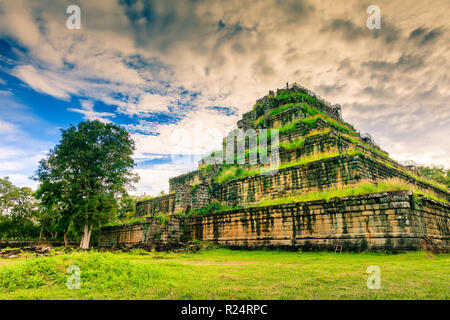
{"type": "Point", "coordinates": [227, 274]}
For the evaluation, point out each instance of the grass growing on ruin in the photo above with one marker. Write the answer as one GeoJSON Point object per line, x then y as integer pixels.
{"type": "Point", "coordinates": [332, 153]}
{"type": "Point", "coordinates": [227, 274]}
{"type": "Point", "coordinates": [362, 187]}
{"type": "Point", "coordinates": [415, 176]}
{"type": "Point", "coordinates": [355, 140]}
{"type": "Point", "coordinates": [300, 141]}
{"type": "Point", "coordinates": [213, 206]}
{"type": "Point", "coordinates": [230, 172]}
{"type": "Point", "coordinates": [281, 109]}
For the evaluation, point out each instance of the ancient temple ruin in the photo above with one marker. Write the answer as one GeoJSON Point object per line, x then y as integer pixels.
{"type": "Point", "coordinates": [246, 205]}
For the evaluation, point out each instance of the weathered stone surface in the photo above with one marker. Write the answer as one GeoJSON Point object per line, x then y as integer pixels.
{"type": "Point", "coordinates": [286, 182]}
{"type": "Point", "coordinates": [141, 232]}
{"type": "Point", "coordinates": [317, 225]}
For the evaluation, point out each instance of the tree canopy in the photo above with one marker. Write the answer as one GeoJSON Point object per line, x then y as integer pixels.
{"type": "Point", "coordinates": [85, 174]}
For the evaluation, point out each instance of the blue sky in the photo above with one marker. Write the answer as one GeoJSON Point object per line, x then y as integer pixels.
{"type": "Point", "coordinates": [178, 75]}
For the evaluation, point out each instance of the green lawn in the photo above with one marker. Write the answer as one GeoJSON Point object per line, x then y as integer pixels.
{"type": "Point", "coordinates": [227, 274]}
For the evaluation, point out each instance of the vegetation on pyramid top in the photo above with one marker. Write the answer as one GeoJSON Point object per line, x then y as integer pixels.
{"type": "Point", "coordinates": [291, 95]}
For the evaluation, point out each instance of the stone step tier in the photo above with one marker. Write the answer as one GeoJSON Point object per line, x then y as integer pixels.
{"type": "Point", "coordinates": [317, 175]}
{"type": "Point", "coordinates": [390, 221]}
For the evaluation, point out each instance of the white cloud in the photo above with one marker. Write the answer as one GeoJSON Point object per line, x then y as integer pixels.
{"type": "Point", "coordinates": [87, 109]}
{"type": "Point", "coordinates": [148, 103]}
{"type": "Point", "coordinates": [46, 82]}
{"type": "Point", "coordinates": [156, 179]}
{"type": "Point", "coordinates": [22, 180]}
{"type": "Point", "coordinates": [201, 131]}
{"type": "Point", "coordinates": [227, 54]}
{"type": "Point", "coordinates": [7, 128]}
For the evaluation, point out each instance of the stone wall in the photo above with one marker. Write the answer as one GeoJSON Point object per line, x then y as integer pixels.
{"type": "Point", "coordinates": [289, 181]}
{"type": "Point", "coordinates": [392, 221]}
{"type": "Point", "coordinates": [311, 176]}
{"type": "Point", "coordinates": [186, 197]}
{"type": "Point", "coordinates": [320, 143]}
{"type": "Point", "coordinates": [284, 117]}
{"type": "Point", "coordinates": [161, 204]}
{"type": "Point", "coordinates": [191, 178]}
{"type": "Point", "coordinates": [146, 231]}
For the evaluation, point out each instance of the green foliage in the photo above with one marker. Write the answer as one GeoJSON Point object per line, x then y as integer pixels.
{"type": "Point", "coordinates": [214, 206]}
{"type": "Point", "coordinates": [293, 144]}
{"type": "Point", "coordinates": [314, 116]}
{"type": "Point", "coordinates": [357, 140]}
{"type": "Point", "coordinates": [310, 122]}
{"type": "Point", "coordinates": [127, 206]}
{"type": "Point", "coordinates": [287, 97]}
{"type": "Point", "coordinates": [319, 156]}
{"type": "Point", "coordinates": [229, 172]}
{"type": "Point", "coordinates": [340, 127]}
{"type": "Point", "coordinates": [99, 272]}
{"type": "Point", "coordinates": [194, 188]}
{"type": "Point", "coordinates": [288, 127]}
{"type": "Point", "coordinates": [125, 221]}
{"type": "Point", "coordinates": [312, 111]}
{"type": "Point", "coordinates": [205, 168]}
{"type": "Point", "coordinates": [260, 120]}
{"type": "Point", "coordinates": [85, 172]}
{"type": "Point", "coordinates": [436, 173]}
{"type": "Point", "coordinates": [229, 275]}
{"type": "Point", "coordinates": [300, 141]}
{"type": "Point", "coordinates": [20, 214]}
{"type": "Point", "coordinates": [163, 218]}
{"type": "Point", "coordinates": [250, 152]}
{"type": "Point", "coordinates": [281, 109]}
{"type": "Point", "coordinates": [415, 176]}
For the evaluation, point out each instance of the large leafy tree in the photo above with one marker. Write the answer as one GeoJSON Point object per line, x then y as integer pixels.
{"type": "Point", "coordinates": [85, 174]}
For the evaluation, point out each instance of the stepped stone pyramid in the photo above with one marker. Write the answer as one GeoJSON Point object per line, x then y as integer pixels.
{"type": "Point", "coordinates": [313, 151]}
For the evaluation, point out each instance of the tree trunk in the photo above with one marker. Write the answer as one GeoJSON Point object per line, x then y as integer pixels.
{"type": "Point", "coordinates": [40, 234]}
{"type": "Point", "coordinates": [66, 241]}
{"type": "Point", "coordinates": [86, 237]}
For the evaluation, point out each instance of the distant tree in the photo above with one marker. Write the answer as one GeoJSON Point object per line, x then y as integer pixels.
{"type": "Point", "coordinates": [7, 191]}
{"type": "Point", "coordinates": [85, 174]}
{"type": "Point", "coordinates": [126, 207]}
{"type": "Point", "coordinates": [18, 211]}
{"type": "Point", "coordinates": [436, 173]}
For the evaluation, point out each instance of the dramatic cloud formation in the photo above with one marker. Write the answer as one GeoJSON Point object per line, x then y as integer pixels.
{"type": "Point", "coordinates": [164, 69]}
